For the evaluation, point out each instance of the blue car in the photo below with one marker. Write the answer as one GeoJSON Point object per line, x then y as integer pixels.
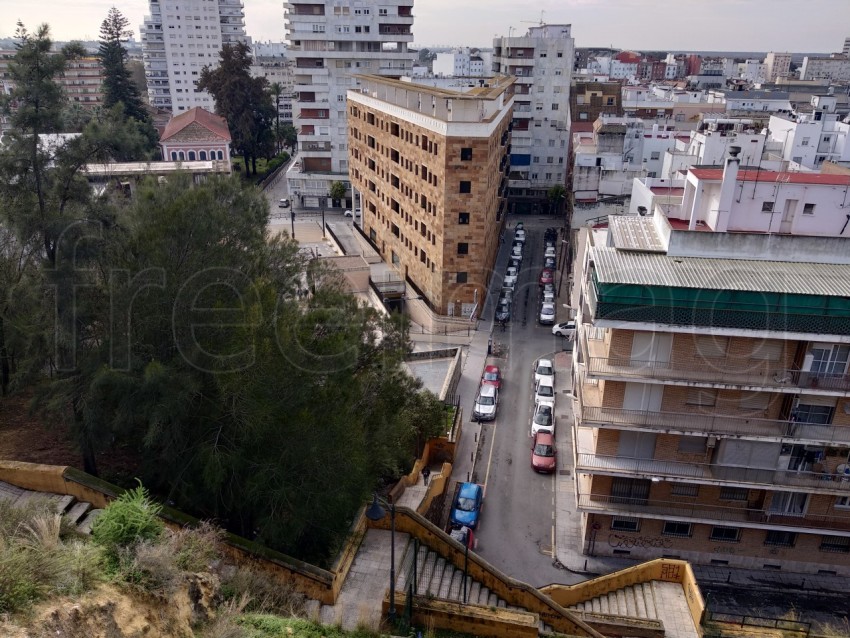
{"type": "Point", "coordinates": [467, 505]}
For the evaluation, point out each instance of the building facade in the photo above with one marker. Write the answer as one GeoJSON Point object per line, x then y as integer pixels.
{"type": "Point", "coordinates": [430, 166]}
{"type": "Point", "coordinates": [812, 136]}
{"type": "Point", "coordinates": [180, 38]}
{"type": "Point", "coordinates": [835, 68]}
{"type": "Point", "coordinates": [271, 62]}
{"type": "Point", "coordinates": [196, 135]}
{"type": "Point", "coordinates": [461, 62]}
{"type": "Point", "coordinates": [542, 63]}
{"type": "Point", "coordinates": [712, 417]}
{"type": "Point", "coordinates": [83, 81]}
{"type": "Point", "coordinates": [330, 44]}
{"type": "Point", "coordinates": [777, 65]}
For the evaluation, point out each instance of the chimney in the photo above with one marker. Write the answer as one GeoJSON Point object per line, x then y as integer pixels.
{"type": "Point", "coordinates": [727, 189]}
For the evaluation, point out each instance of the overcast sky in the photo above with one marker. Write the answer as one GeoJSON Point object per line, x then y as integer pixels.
{"type": "Point", "coordinates": [699, 25]}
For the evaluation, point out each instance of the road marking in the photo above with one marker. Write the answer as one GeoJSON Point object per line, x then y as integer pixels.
{"type": "Point", "coordinates": [490, 456]}
{"type": "Point", "coordinates": [553, 541]}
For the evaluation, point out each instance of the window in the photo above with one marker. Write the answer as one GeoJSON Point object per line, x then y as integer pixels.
{"type": "Point", "coordinates": [673, 528]}
{"type": "Point", "coordinates": [395, 232]}
{"type": "Point", "coordinates": [466, 154]}
{"type": "Point", "coordinates": [465, 187]}
{"type": "Point", "coordinates": [396, 261]}
{"type": "Point", "coordinates": [555, 106]}
{"type": "Point", "coordinates": [684, 489]}
{"type": "Point", "coordinates": [734, 493]}
{"type": "Point", "coordinates": [712, 347]}
{"type": "Point", "coordinates": [692, 444]}
{"type": "Point", "coordinates": [767, 351]}
{"type": "Point", "coordinates": [767, 207]}
{"type": "Point", "coordinates": [725, 534]}
{"type": "Point", "coordinates": [560, 54]}
{"type": "Point", "coordinates": [630, 491]}
{"type": "Point", "coordinates": [813, 414]}
{"type": "Point", "coordinates": [461, 278]}
{"type": "Point", "coordinates": [808, 209]}
{"type": "Point", "coordinates": [623, 524]}
{"type": "Point", "coordinates": [754, 401]}
{"type": "Point", "coordinates": [654, 155]}
{"type": "Point", "coordinates": [842, 502]}
{"type": "Point", "coordinates": [701, 396]}
{"type": "Point", "coordinates": [780, 539]}
{"type": "Point", "coordinates": [805, 141]}
{"type": "Point", "coordinates": [837, 544]}
{"type": "Point", "coordinates": [463, 218]}
{"type": "Point", "coordinates": [463, 248]}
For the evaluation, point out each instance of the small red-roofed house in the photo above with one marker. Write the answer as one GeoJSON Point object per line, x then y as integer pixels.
{"type": "Point", "coordinates": [196, 135]}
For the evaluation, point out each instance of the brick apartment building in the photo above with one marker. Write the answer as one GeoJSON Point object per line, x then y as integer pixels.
{"type": "Point", "coordinates": [431, 168]}
{"type": "Point", "coordinates": [712, 412]}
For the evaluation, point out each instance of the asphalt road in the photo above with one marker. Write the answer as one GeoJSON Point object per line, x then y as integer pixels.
{"type": "Point", "coordinates": [280, 191]}
{"type": "Point", "coordinates": [517, 528]}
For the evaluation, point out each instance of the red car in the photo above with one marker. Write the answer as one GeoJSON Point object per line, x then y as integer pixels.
{"type": "Point", "coordinates": [492, 376]}
{"type": "Point", "coordinates": [547, 276]}
{"type": "Point", "coordinates": [543, 454]}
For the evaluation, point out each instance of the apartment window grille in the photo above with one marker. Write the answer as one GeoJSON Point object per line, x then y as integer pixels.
{"type": "Point", "coordinates": [835, 544]}
{"type": "Point", "coordinates": [712, 347]}
{"type": "Point", "coordinates": [624, 524]}
{"type": "Point", "coordinates": [675, 528]}
{"type": "Point", "coordinates": [463, 218]}
{"type": "Point", "coordinates": [808, 209]}
{"type": "Point", "coordinates": [767, 207]}
{"type": "Point", "coordinates": [701, 396]}
{"type": "Point", "coordinates": [684, 489]}
{"type": "Point", "coordinates": [755, 401]}
{"type": "Point", "coordinates": [463, 248]}
{"type": "Point", "coordinates": [780, 539]}
{"type": "Point", "coordinates": [723, 534]}
{"type": "Point", "coordinates": [630, 491]}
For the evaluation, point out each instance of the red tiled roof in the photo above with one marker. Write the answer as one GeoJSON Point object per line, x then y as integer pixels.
{"type": "Point", "coordinates": [716, 174]}
{"type": "Point", "coordinates": [213, 123]}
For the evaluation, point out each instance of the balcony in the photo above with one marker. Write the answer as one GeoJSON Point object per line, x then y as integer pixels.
{"type": "Point", "coordinates": [709, 473]}
{"type": "Point", "coordinates": [699, 512]}
{"type": "Point", "coordinates": [694, 424]}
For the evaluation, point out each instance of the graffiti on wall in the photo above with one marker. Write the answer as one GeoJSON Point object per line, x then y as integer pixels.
{"type": "Point", "coordinates": [642, 542]}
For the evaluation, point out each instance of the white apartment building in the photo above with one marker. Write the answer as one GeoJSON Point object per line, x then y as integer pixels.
{"type": "Point", "coordinates": [271, 62]}
{"type": "Point", "coordinates": [181, 37]}
{"type": "Point", "coordinates": [846, 49]}
{"type": "Point", "coordinates": [461, 62]}
{"type": "Point", "coordinates": [813, 136]}
{"type": "Point", "coordinates": [755, 100]}
{"type": "Point", "coordinates": [777, 65]}
{"type": "Point", "coordinates": [330, 43]}
{"type": "Point", "coordinates": [542, 62]}
{"type": "Point", "coordinates": [835, 68]}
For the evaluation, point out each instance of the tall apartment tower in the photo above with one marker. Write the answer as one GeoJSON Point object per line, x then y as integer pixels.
{"type": "Point", "coordinates": [181, 37]}
{"type": "Point", "coordinates": [846, 49]}
{"type": "Point", "coordinates": [542, 62]}
{"type": "Point", "coordinates": [778, 65]}
{"type": "Point", "coordinates": [330, 43]}
{"type": "Point", "coordinates": [430, 166]}
{"type": "Point", "coordinates": [712, 374]}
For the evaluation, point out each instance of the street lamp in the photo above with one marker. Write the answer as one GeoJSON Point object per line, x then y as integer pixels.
{"type": "Point", "coordinates": [377, 513]}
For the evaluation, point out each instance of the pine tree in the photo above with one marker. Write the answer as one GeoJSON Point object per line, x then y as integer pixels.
{"type": "Point", "coordinates": [118, 86]}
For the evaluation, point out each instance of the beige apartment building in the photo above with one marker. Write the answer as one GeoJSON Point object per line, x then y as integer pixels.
{"type": "Point", "coordinates": [712, 394]}
{"type": "Point", "coordinates": [431, 165]}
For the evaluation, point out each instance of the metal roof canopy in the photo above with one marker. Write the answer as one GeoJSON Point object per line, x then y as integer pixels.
{"type": "Point", "coordinates": [615, 266]}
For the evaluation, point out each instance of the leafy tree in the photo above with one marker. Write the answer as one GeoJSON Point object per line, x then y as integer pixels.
{"type": "Point", "coordinates": [289, 135]}
{"type": "Point", "coordinates": [556, 195]}
{"type": "Point", "coordinates": [337, 190]}
{"type": "Point", "coordinates": [243, 101]}
{"type": "Point", "coordinates": [118, 84]}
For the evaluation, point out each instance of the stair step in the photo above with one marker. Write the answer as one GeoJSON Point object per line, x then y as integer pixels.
{"type": "Point", "coordinates": [76, 513]}
{"type": "Point", "coordinates": [64, 503]}
{"type": "Point", "coordinates": [501, 603]}
{"type": "Point", "coordinates": [446, 581]}
{"type": "Point", "coordinates": [603, 604]}
{"type": "Point", "coordinates": [91, 517]}
{"type": "Point", "coordinates": [493, 599]}
{"type": "Point", "coordinates": [437, 576]}
{"type": "Point", "coordinates": [631, 605]}
{"type": "Point", "coordinates": [595, 606]}
{"type": "Point", "coordinates": [474, 591]}
{"type": "Point", "coordinates": [649, 601]}
{"type": "Point", "coordinates": [425, 568]}
{"type": "Point", "coordinates": [456, 587]}
{"type": "Point", "coordinates": [640, 603]}
{"type": "Point", "coordinates": [621, 603]}
{"type": "Point", "coordinates": [483, 595]}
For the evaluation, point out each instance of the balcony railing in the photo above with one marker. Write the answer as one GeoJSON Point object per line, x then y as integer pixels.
{"type": "Point", "coordinates": [724, 371]}
{"type": "Point", "coordinates": [715, 424]}
{"type": "Point", "coordinates": [618, 505]}
{"type": "Point", "coordinates": [711, 472]}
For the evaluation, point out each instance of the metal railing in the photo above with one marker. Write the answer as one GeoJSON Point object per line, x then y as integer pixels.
{"type": "Point", "coordinates": [712, 472]}
{"type": "Point", "coordinates": [747, 372]}
{"type": "Point", "coordinates": [715, 424]}
{"type": "Point", "coordinates": [683, 510]}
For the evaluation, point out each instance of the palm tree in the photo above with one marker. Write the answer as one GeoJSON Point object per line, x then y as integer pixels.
{"type": "Point", "coordinates": [276, 89]}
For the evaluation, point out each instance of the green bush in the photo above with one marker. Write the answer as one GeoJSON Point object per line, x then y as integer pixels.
{"type": "Point", "coordinates": [129, 519]}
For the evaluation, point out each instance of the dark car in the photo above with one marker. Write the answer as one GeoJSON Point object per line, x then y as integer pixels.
{"type": "Point", "coordinates": [551, 234]}
{"type": "Point", "coordinates": [546, 277]}
{"type": "Point", "coordinates": [467, 506]}
{"type": "Point", "coordinates": [543, 454]}
{"type": "Point", "coordinates": [516, 262]}
{"type": "Point", "coordinates": [503, 312]}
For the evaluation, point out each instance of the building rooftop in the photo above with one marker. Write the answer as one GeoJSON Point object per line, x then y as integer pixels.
{"type": "Point", "coordinates": [497, 85]}
{"type": "Point", "coordinates": [615, 266]}
{"type": "Point", "coordinates": [216, 124]}
{"type": "Point", "coordinates": [716, 174]}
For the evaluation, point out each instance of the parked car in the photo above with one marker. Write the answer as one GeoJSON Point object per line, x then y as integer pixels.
{"type": "Point", "coordinates": [356, 212]}
{"type": "Point", "coordinates": [565, 329]}
{"type": "Point", "coordinates": [543, 454]}
{"type": "Point", "coordinates": [464, 536]}
{"type": "Point", "coordinates": [492, 376]}
{"type": "Point", "coordinates": [545, 393]}
{"type": "Point", "coordinates": [506, 295]}
{"type": "Point", "coordinates": [547, 314]}
{"type": "Point", "coordinates": [546, 277]}
{"type": "Point", "coordinates": [549, 262]}
{"type": "Point", "coordinates": [503, 311]}
{"type": "Point", "coordinates": [543, 419]}
{"type": "Point", "coordinates": [551, 234]}
{"type": "Point", "coordinates": [548, 297]}
{"type": "Point", "coordinates": [519, 226]}
{"type": "Point", "coordinates": [549, 252]}
{"type": "Point", "coordinates": [284, 203]}
{"type": "Point", "coordinates": [516, 250]}
{"type": "Point", "coordinates": [486, 403]}
{"type": "Point", "coordinates": [516, 262]}
{"type": "Point", "coordinates": [466, 509]}
{"type": "Point", "coordinates": [543, 368]}
{"type": "Point", "coordinates": [549, 288]}
{"type": "Point", "coordinates": [519, 235]}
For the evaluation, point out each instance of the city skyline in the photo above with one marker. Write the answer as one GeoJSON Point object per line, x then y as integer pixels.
{"type": "Point", "coordinates": [698, 25]}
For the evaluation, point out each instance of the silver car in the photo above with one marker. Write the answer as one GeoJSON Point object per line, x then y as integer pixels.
{"type": "Point", "coordinates": [547, 314]}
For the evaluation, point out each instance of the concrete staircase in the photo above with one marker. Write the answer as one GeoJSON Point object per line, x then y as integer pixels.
{"type": "Point", "coordinates": [634, 601]}
{"type": "Point", "coordinates": [438, 578]}
{"type": "Point", "coordinates": [79, 513]}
